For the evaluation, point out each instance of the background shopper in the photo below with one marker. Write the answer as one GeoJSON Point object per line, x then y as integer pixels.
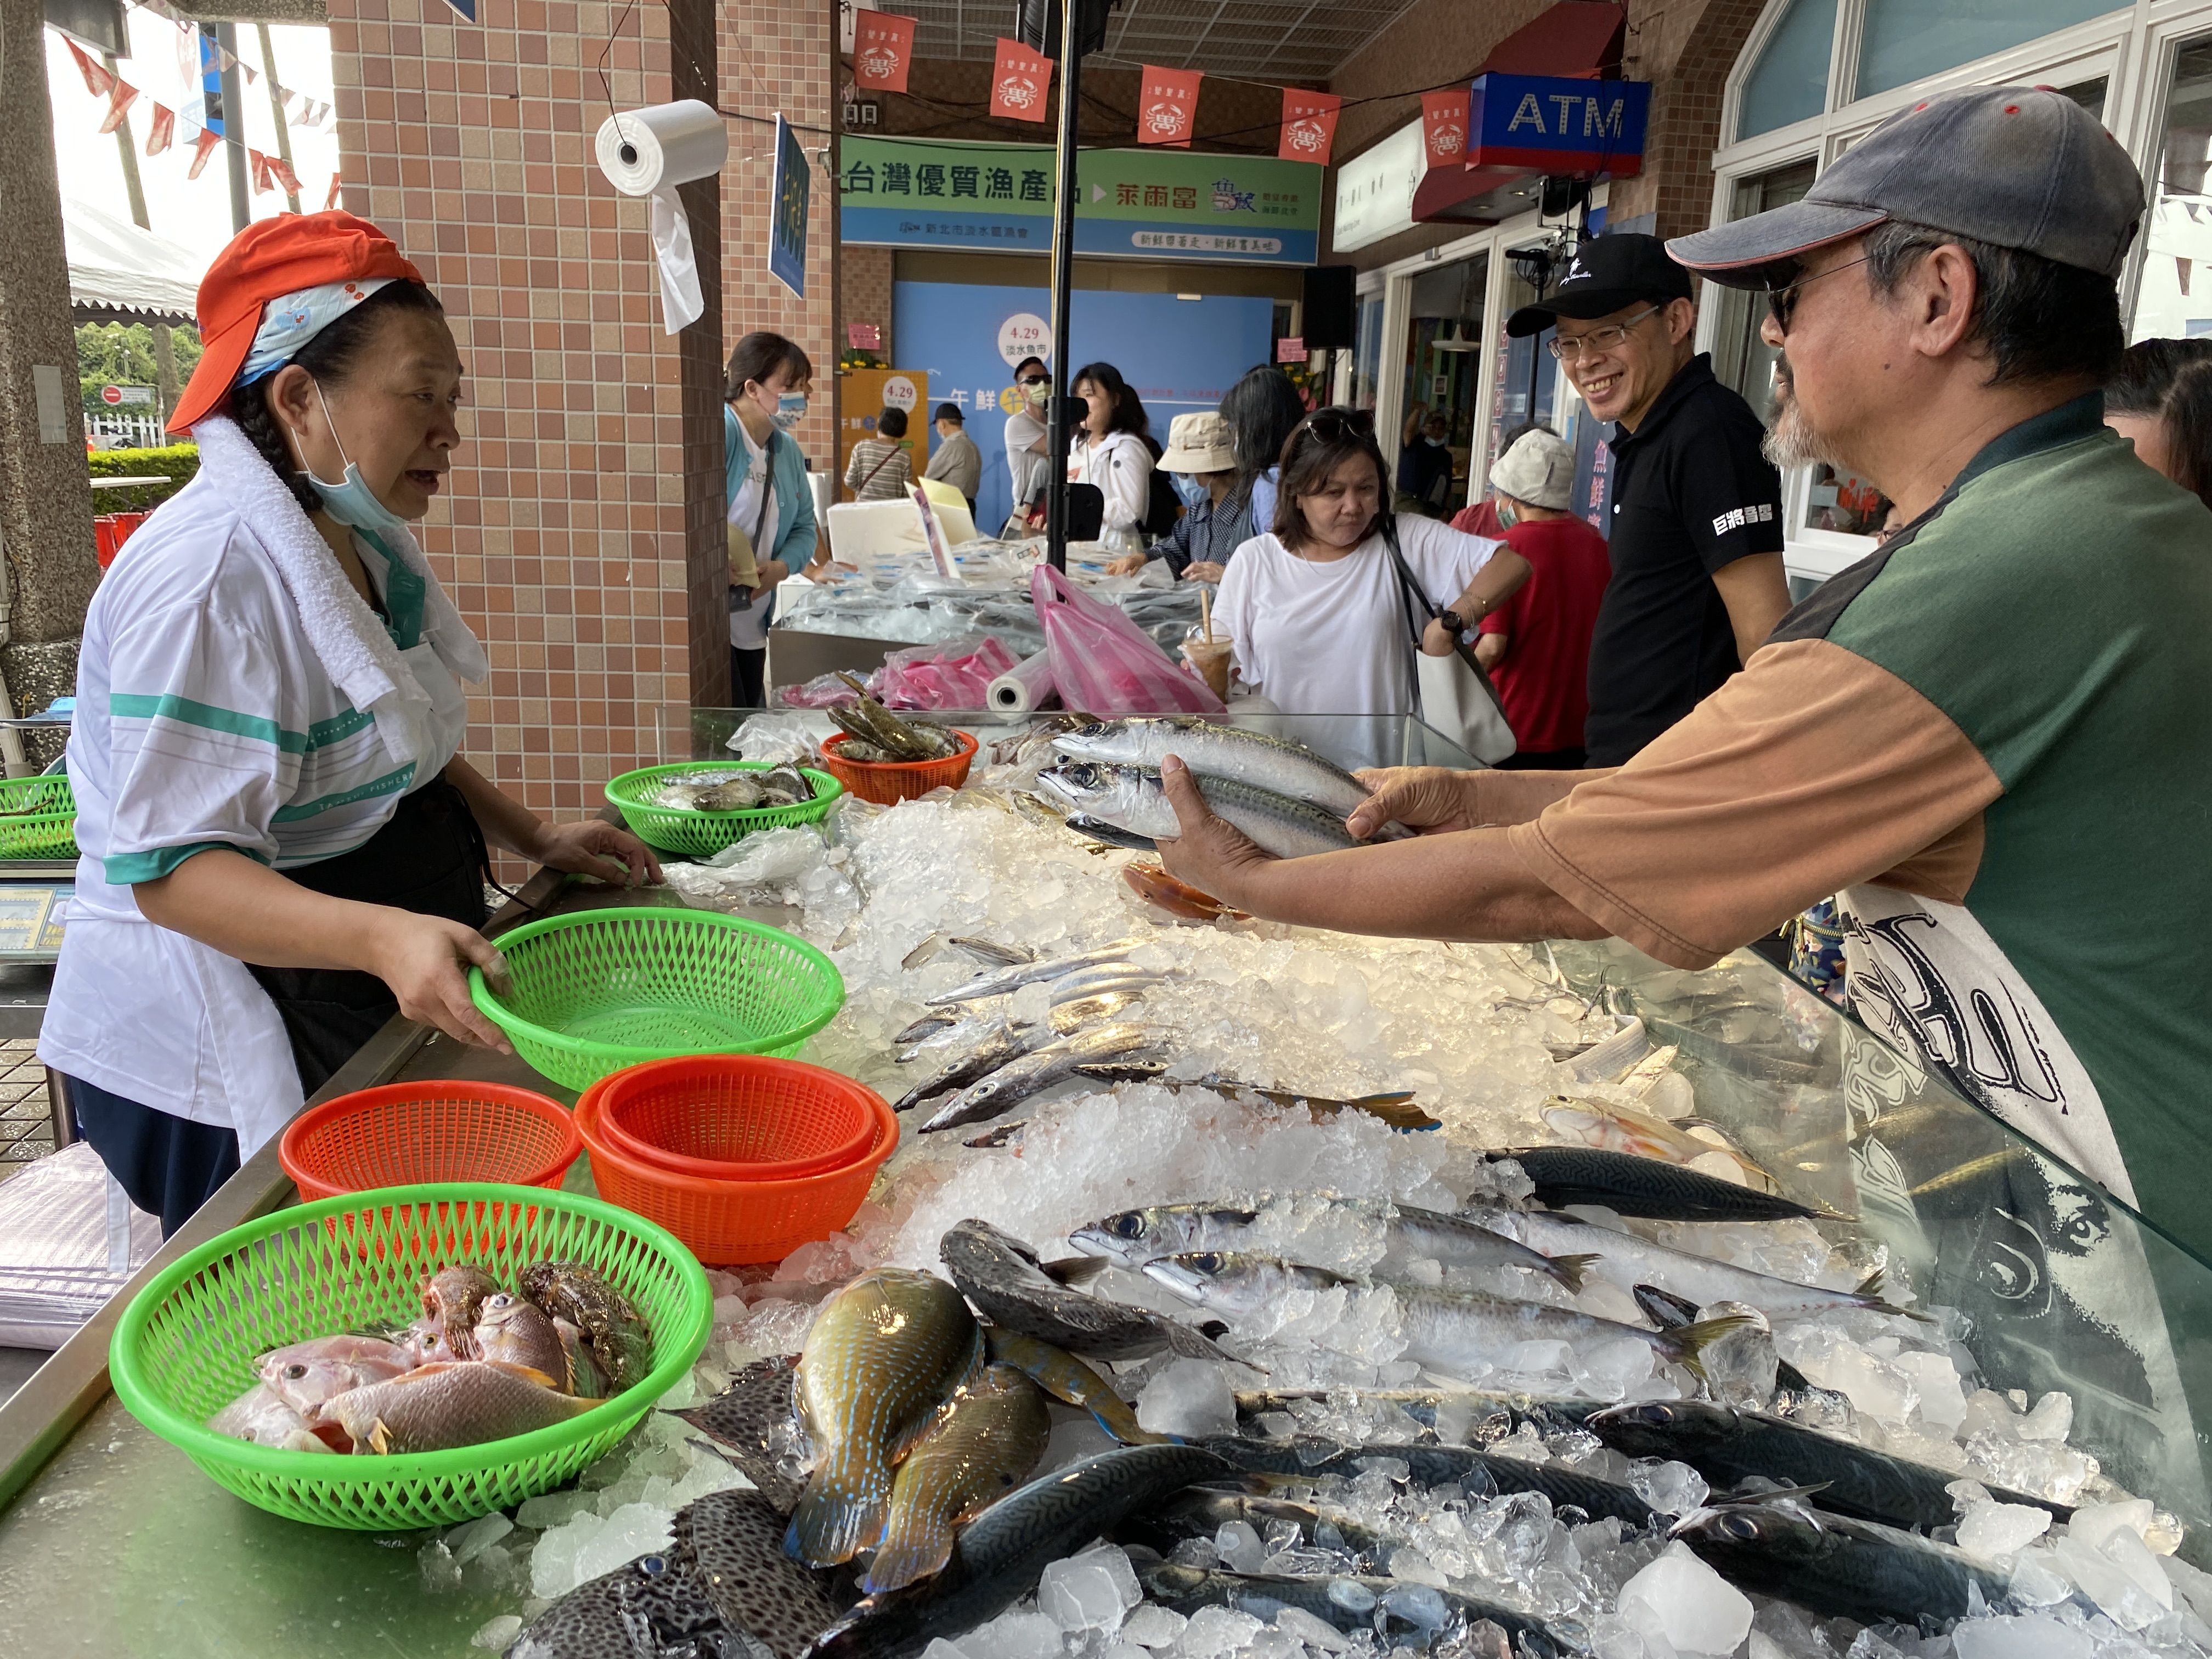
{"type": "Point", "coordinates": [1262, 409]}
{"type": "Point", "coordinates": [956, 461]}
{"type": "Point", "coordinates": [769, 504]}
{"type": "Point", "coordinates": [1112, 450]}
{"type": "Point", "coordinates": [879, 470]}
{"type": "Point", "coordinates": [1028, 467]}
{"type": "Point", "coordinates": [1425, 462]}
{"type": "Point", "coordinates": [2161, 402]}
{"type": "Point", "coordinates": [1202, 464]}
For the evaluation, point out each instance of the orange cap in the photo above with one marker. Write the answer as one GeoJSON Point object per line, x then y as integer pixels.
{"type": "Point", "coordinates": [265, 261]}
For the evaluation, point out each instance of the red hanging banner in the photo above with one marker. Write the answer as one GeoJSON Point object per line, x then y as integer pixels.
{"type": "Point", "coordinates": [1309, 125]}
{"type": "Point", "coordinates": [119, 100]}
{"type": "Point", "coordinates": [883, 46]}
{"type": "Point", "coordinates": [281, 171]}
{"type": "Point", "coordinates": [1020, 81]}
{"type": "Point", "coordinates": [1167, 106]}
{"type": "Point", "coordinates": [203, 147]}
{"type": "Point", "coordinates": [257, 165]}
{"type": "Point", "coordinates": [1444, 127]}
{"type": "Point", "coordinates": [163, 131]}
{"type": "Point", "coordinates": [97, 81]}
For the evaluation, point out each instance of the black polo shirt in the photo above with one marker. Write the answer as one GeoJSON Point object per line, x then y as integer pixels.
{"type": "Point", "coordinates": [1691, 493]}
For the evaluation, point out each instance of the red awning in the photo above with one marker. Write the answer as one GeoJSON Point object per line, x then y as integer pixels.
{"type": "Point", "coordinates": [1577, 39]}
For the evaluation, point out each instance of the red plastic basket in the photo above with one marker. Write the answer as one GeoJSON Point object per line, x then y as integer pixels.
{"type": "Point", "coordinates": [734, 1222]}
{"type": "Point", "coordinates": [435, 1130]}
{"type": "Point", "coordinates": [888, 782]}
{"type": "Point", "coordinates": [737, 1117]}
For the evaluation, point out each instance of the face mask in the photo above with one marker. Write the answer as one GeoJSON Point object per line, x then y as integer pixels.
{"type": "Point", "coordinates": [1035, 391]}
{"type": "Point", "coordinates": [351, 501]}
{"type": "Point", "coordinates": [790, 410]}
{"type": "Point", "coordinates": [1435, 443]}
{"type": "Point", "coordinates": [1189, 488]}
{"type": "Point", "coordinates": [1507, 518]}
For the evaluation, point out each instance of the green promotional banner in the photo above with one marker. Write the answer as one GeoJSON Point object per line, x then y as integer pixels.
{"type": "Point", "coordinates": [1133, 203]}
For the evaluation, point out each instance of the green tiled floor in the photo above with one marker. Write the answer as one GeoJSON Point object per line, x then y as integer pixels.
{"type": "Point", "coordinates": [26, 1121]}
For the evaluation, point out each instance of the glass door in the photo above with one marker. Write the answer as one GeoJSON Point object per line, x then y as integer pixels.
{"type": "Point", "coordinates": [1439, 417]}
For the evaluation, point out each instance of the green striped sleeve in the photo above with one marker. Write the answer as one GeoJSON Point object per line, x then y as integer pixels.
{"type": "Point", "coordinates": [391, 783]}
{"type": "Point", "coordinates": [129, 869]}
{"type": "Point", "coordinates": [125, 706]}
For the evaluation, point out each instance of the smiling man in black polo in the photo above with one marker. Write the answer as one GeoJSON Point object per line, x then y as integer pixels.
{"type": "Point", "coordinates": [1695, 528]}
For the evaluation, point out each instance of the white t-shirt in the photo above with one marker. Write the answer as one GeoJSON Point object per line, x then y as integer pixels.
{"type": "Point", "coordinates": [1122, 467]}
{"type": "Point", "coordinates": [205, 719]}
{"type": "Point", "coordinates": [1333, 639]}
{"type": "Point", "coordinates": [747, 628]}
{"type": "Point", "coordinates": [1026, 472]}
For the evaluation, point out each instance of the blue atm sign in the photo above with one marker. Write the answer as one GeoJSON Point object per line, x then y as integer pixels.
{"type": "Point", "coordinates": [1546, 123]}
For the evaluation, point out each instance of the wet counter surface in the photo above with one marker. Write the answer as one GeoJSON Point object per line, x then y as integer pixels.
{"type": "Point", "coordinates": [117, 1545]}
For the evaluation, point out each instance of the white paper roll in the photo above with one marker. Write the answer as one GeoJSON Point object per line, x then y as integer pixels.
{"type": "Point", "coordinates": [1026, 686]}
{"type": "Point", "coordinates": [648, 152]}
{"type": "Point", "coordinates": [644, 150]}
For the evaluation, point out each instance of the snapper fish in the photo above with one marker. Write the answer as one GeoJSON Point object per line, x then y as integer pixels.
{"type": "Point", "coordinates": [306, 1376]}
{"type": "Point", "coordinates": [449, 1403]}
{"type": "Point", "coordinates": [258, 1415]}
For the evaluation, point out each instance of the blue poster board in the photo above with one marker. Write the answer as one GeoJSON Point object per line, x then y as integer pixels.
{"type": "Point", "coordinates": [1181, 356]}
{"type": "Point", "coordinates": [786, 241]}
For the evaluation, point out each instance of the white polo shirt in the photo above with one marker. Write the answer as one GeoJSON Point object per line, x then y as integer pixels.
{"type": "Point", "coordinates": [204, 720]}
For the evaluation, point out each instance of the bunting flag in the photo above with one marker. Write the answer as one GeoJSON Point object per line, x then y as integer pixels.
{"type": "Point", "coordinates": [203, 147]}
{"type": "Point", "coordinates": [257, 166]}
{"type": "Point", "coordinates": [1444, 127]}
{"type": "Point", "coordinates": [331, 201]}
{"type": "Point", "coordinates": [118, 105]}
{"type": "Point", "coordinates": [883, 45]}
{"type": "Point", "coordinates": [1167, 107]}
{"type": "Point", "coordinates": [1020, 79]}
{"type": "Point", "coordinates": [1309, 125]}
{"type": "Point", "coordinates": [163, 132]}
{"type": "Point", "coordinates": [97, 81]}
{"type": "Point", "coordinates": [281, 171]}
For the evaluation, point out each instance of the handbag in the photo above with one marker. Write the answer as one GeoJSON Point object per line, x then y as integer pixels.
{"type": "Point", "coordinates": [741, 598]}
{"type": "Point", "coordinates": [1452, 692]}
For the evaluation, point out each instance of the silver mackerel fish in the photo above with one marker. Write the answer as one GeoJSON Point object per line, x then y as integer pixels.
{"type": "Point", "coordinates": [1276, 764]}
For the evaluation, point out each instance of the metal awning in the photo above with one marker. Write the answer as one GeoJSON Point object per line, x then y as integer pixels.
{"type": "Point", "coordinates": [121, 273]}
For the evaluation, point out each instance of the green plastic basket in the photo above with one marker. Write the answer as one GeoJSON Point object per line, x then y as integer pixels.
{"type": "Point", "coordinates": [701, 834]}
{"type": "Point", "coordinates": [38, 817]}
{"type": "Point", "coordinates": [186, 1346]}
{"type": "Point", "coordinates": [598, 990]}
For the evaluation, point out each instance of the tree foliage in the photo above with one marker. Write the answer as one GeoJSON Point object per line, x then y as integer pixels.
{"type": "Point", "coordinates": [122, 354]}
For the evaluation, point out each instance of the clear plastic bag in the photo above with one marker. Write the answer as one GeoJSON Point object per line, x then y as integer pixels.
{"type": "Point", "coordinates": [1103, 663]}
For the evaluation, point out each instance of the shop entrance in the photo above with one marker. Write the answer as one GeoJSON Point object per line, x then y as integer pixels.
{"type": "Point", "coordinates": [1439, 409]}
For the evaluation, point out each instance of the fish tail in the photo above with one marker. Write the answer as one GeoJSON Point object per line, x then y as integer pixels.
{"type": "Point", "coordinates": [1076, 1269]}
{"type": "Point", "coordinates": [917, 1543]}
{"type": "Point", "coordinates": [1685, 1343]}
{"type": "Point", "coordinates": [1570, 1269]}
{"type": "Point", "coordinates": [1112, 1414]}
{"type": "Point", "coordinates": [1868, 1296]}
{"type": "Point", "coordinates": [841, 1512]}
{"type": "Point", "coordinates": [1395, 1110]}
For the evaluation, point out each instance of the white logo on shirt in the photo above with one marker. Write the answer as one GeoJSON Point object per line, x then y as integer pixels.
{"type": "Point", "coordinates": [1737, 518]}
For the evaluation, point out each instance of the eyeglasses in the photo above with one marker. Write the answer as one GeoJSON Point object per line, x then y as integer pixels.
{"type": "Point", "coordinates": [1782, 302]}
{"type": "Point", "coordinates": [1567, 348]}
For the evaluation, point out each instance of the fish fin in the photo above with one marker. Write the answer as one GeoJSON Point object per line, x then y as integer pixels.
{"type": "Point", "coordinates": [1870, 1296]}
{"type": "Point", "coordinates": [380, 1438]}
{"type": "Point", "coordinates": [841, 1512]}
{"type": "Point", "coordinates": [1075, 1269]}
{"type": "Point", "coordinates": [1215, 1329]}
{"type": "Point", "coordinates": [528, 1374]}
{"type": "Point", "coordinates": [914, 1547]}
{"type": "Point", "coordinates": [1685, 1343]}
{"type": "Point", "coordinates": [1124, 1427]}
{"type": "Point", "coordinates": [1569, 1270]}
{"type": "Point", "coordinates": [1397, 1110]}
{"type": "Point", "coordinates": [1123, 1070]}
{"type": "Point", "coordinates": [1664, 1308]}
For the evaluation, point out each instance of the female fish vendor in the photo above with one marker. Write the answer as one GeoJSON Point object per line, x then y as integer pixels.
{"type": "Point", "coordinates": [281, 846]}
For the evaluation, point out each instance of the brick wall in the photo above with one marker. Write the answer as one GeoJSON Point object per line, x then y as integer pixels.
{"type": "Point", "coordinates": [864, 276]}
{"type": "Point", "coordinates": [1686, 52]}
{"type": "Point", "coordinates": [581, 532]}
{"type": "Point", "coordinates": [781, 57]}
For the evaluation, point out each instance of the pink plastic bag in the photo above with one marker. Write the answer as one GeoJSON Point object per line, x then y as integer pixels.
{"type": "Point", "coordinates": [1103, 663]}
{"type": "Point", "coordinates": [956, 675]}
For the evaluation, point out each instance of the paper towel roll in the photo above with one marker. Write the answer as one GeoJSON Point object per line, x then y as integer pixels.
{"type": "Point", "coordinates": [648, 152]}
{"type": "Point", "coordinates": [1027, 685]}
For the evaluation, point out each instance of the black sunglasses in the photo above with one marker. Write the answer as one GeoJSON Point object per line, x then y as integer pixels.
{"type": "Point", "coordinates": [1334, 426]}
{"type": "Point", "coordinates": [1782, 297]}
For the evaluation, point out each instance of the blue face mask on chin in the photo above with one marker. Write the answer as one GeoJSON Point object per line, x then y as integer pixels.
{"type": "Point", "coordinates": [1190, 487]}
{"type": "Point", "coordinates": [350, 501]}
{"type": "Point", "coordinates": [790, 410]}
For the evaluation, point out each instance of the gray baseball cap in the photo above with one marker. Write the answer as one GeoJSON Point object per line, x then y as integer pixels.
{"type": "Point", "coordinates": [2022, 167]}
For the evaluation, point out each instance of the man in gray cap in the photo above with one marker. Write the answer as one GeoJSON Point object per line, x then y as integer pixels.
{"type": "Point", "coordinates": [1986, 739]}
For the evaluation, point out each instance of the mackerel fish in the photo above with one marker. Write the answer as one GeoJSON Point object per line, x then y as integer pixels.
{"type": "Point", "coordinates": [1007, 1043]}
{"type": "Point", "coordinates": [1136, 803]}
{"type": "Point", "coordinates": [1014, 975]}
{"type": "Point", "coordinates": [1106, 1052]}
{"type": "Point", "coordinates": [1135, 1236]}
{"type": "Point", "coordinates": [981, 1443]}
{"type": "Point", "coordinates": [1647, 1186]}
{"type": "Point", "coordinates": [1839, 1567]}
{"type": "Point", "coordinates": [1484, 1473]}
{"type": "Point", "coordinates": [955, 1022]}
{"type": "Point", "coordinates": [1400, 1608]}
{"type": "Point", "coordinates": [880, 1355]}
{"type": "Point", "coordinates": [1004, 1277]}
{"type": "Point", "coordinates": [1277, 765]}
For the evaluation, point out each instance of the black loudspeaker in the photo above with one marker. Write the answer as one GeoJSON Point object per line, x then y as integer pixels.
{"type": "Point", "coordinates": [1036, 23]}
{"type": "Point", "coordinates": [1332, 313]}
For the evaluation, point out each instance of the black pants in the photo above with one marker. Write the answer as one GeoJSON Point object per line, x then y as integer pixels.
{"type": "Point", "coordinates": [748, 677]}
{"type": "Point", "coordinates": [1546, 760]}
{"type": "Point", "coordinates": [169, 1167]}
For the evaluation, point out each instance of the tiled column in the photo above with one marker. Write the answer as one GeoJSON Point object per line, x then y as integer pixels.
{"type": "Point", "coordinates": [781, 55]}
{"type": "Point", "coordinates": [581, 534]}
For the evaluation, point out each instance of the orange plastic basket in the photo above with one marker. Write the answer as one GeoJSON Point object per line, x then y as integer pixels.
{"type": "Point", "coordinates": [737, 1117]}
{"type": "Point", "coordinates": [734, 1222]}
{"type": "Point", "coordinates": [434, 1130]}
{"type": "Point", "coordinates": [888, 782]}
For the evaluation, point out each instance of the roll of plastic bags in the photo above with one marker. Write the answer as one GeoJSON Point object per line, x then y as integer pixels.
{"type": "Point", "coordinates": [1026, 686]}
{"type": "Point", "coordinates": [650, 151]}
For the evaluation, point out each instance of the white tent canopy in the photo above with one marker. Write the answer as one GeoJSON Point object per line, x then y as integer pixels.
{"type": "Point", "coordinates": [114, 266]}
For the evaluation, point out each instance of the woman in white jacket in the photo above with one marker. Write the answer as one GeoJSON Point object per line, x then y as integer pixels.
{"type": "Point", "coordinates": [1113, 448]}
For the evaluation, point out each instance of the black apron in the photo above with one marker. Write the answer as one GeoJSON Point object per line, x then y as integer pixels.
{"type": "Point", "coordinates": [429, 857]}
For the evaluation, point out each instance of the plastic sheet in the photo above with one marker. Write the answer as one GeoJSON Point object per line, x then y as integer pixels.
{"type": "Point", "coordinates": [68, 1239]}
{"type": "Point", "coordinates": [959, 676]}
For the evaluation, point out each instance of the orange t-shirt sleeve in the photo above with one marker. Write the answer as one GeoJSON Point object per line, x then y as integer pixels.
{"type": "Point", "coordinates": [1810, 771]}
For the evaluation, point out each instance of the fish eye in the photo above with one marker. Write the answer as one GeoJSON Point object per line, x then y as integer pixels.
{"type": "Point", "coordinates": [652, 1565]}
{"type": "Point", "coordinates": [1741, 1527]}
{"type": "Point", "coordinates": [1209, 1261]}
{"type": "Point", "coordinates": [296, 1370]}
{"type": "Point", "coordinates": [1128, 1226]}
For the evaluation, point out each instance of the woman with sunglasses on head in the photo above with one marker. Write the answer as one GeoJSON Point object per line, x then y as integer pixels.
{"type": "Point", "coordinates": [282, 847]}
{"type": "Point", "coordinates": [1316, 609]}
